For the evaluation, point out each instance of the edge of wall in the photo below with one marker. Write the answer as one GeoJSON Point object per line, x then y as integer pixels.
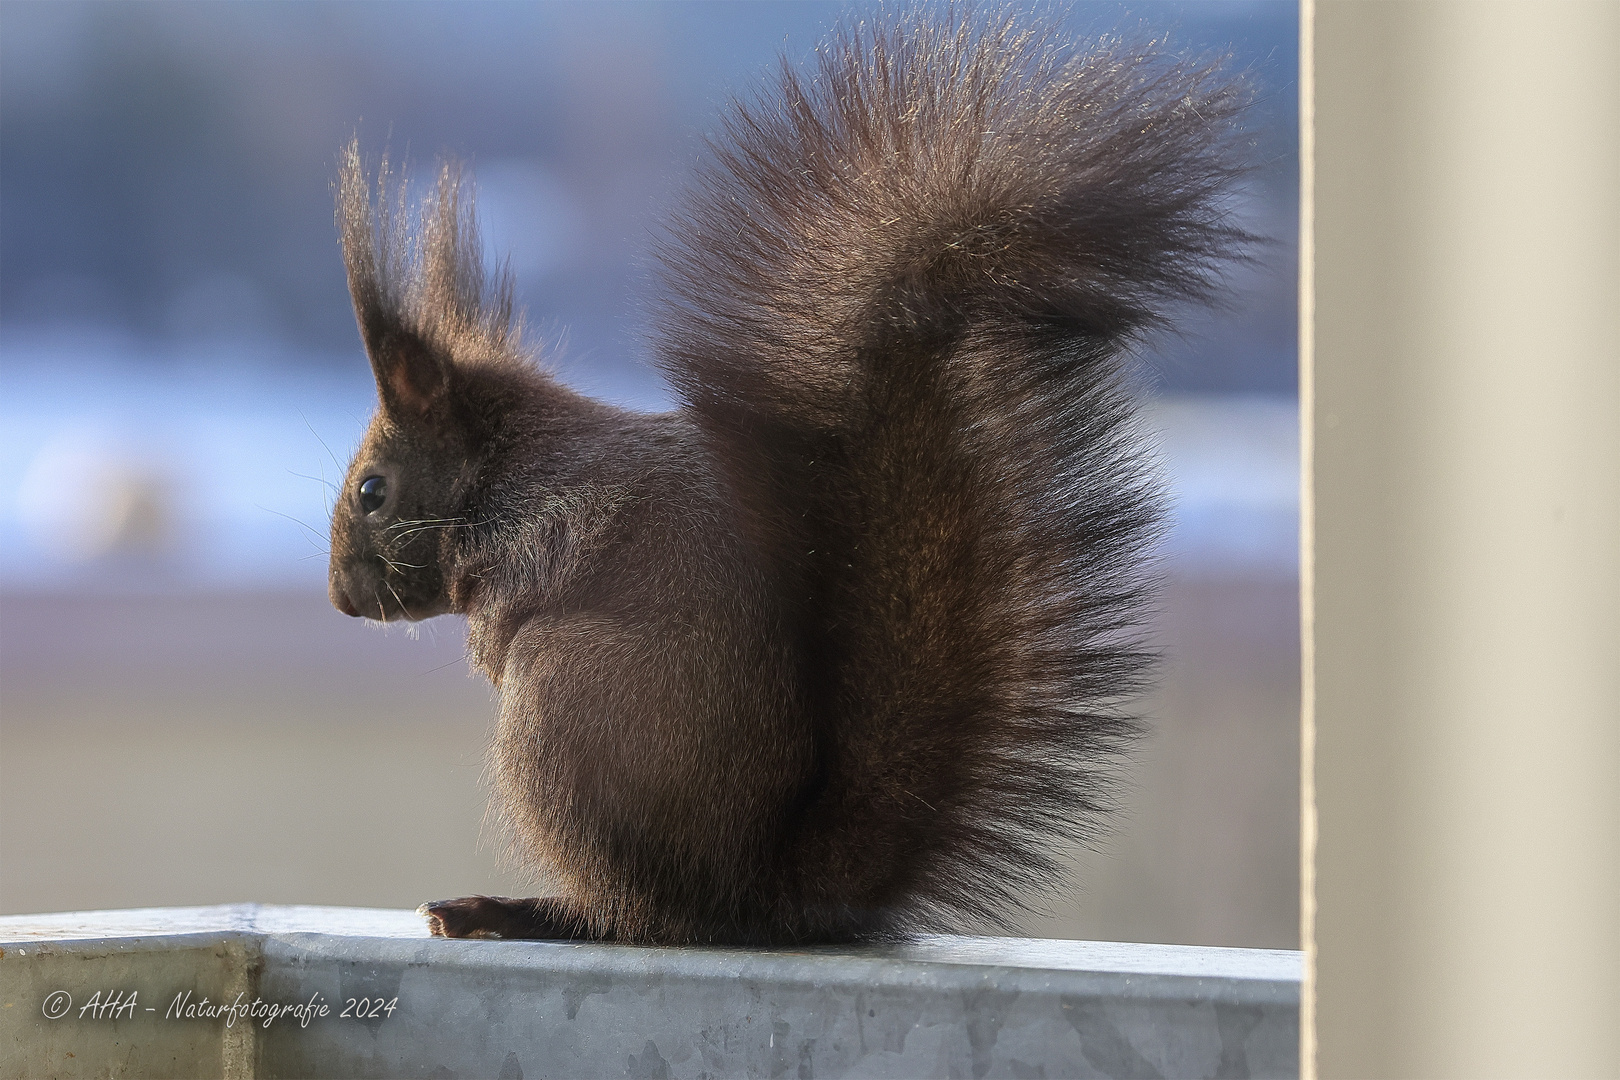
{"type": "Point", "coordinates": [943, 1005]}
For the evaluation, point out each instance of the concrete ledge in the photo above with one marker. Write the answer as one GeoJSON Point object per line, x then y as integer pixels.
{"type": "Point", "coordinates": [944, 1006]}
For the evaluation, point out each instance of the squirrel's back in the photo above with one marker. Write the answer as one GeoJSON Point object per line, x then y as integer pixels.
{"type": "Point", "coordinates": [900, 303]}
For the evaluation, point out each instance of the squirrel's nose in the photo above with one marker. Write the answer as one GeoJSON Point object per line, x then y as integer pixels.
{"type": "Point", "coordinates": [341, 601]}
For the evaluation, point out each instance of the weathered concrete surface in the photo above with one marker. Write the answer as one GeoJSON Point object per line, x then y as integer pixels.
{"type": "Point", "coordinates": [947, 1007]}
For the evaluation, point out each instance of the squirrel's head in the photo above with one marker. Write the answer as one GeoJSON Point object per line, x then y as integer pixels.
{"type": "Point", "coordinates": [395, 519]}
{"type": "Point", "coordinates": [399, 523]}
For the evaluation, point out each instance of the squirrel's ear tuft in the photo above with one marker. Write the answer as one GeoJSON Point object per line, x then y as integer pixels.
{"type": "Point", "coordinates": [412, 378]}
{"type": "Point", "coordinates": [417, 280]}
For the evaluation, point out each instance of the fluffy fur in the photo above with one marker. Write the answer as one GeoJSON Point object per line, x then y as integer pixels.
{"type": "Point", "coordinates": [838, 648]}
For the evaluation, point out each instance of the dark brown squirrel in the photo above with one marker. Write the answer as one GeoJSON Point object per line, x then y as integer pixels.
{"type": "Point", "coordinates": [836, 649]}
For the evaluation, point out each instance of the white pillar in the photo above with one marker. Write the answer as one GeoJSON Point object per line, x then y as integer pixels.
{"type": "Point", "coordinates": [1461, 385]}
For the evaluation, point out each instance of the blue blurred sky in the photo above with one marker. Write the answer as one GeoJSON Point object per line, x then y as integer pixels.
{"type": "Point", "coordinates": [179, 370]}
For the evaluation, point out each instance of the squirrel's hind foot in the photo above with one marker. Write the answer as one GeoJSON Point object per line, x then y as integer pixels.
{"type": "Point", "coordinates": [535, 918]}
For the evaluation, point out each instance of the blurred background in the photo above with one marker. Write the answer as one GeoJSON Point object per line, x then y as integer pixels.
{"type": "Point", "coordinates": [183, 717]}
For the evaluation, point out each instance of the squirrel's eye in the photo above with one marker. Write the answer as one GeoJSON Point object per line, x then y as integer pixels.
{"type": "Point", "coordinates": [373, 490]}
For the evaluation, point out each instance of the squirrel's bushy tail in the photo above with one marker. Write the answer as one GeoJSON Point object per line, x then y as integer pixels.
{"type": "Point", "coordinates": [900, 302]}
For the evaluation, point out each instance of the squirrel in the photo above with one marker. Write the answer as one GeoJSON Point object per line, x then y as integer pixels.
{"type": "Point", "coordinates": [834, 650]}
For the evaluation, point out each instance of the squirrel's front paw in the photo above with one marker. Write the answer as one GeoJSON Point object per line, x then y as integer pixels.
{"type": "Point", "coordinates": [504, 917]}
{"type": "Point", "coordinates": [468, 917]}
